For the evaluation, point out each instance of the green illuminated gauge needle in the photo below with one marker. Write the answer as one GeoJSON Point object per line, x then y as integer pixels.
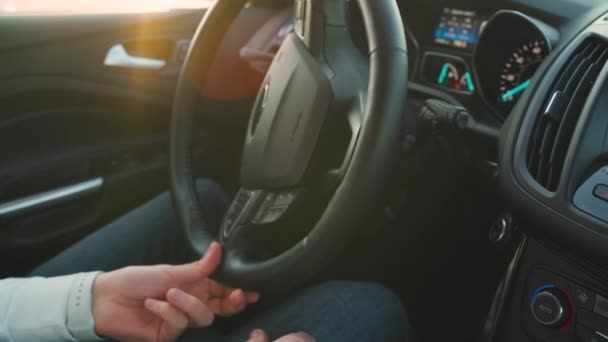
{"type": "Point", "coordinates": [444, 73]}
{"type": "Point", "coordinates": [510, 93]}
{"type": "Point", "coordinates": [469, 82]}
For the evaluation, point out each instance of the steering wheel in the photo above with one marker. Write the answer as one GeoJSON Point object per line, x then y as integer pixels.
{"type": "Point", "coordinates": [322, 98]}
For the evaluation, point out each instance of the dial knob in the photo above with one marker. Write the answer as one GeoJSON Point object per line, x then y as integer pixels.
{"type": "Point", "coordinates": [550, 307]}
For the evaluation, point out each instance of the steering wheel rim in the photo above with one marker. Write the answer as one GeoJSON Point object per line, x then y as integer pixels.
{"type": "Point", "coordinates": [321, 37]}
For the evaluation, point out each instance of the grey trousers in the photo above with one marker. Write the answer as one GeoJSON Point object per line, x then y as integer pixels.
{"type": "Point", "coordinates": [335, 311]}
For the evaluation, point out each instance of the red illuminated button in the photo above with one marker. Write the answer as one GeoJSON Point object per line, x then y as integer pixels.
{"type": "Point", "coordinates": [601, 192]}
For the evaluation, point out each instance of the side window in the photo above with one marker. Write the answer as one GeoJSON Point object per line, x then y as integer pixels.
{"type": "Point", "coordinates": [80, 7]}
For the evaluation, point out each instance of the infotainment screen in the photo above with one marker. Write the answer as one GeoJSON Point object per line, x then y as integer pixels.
{"type": "Point", "coordinates": [458, 28]}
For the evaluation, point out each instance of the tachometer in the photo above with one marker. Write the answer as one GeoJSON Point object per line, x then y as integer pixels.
{"type": "Point", "coordinates": [518, 70]}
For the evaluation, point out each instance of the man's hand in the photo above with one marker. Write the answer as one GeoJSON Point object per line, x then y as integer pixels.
{"type": "Point", "coordinates": [157, 303]}
{"type": "Point", "coordinates": [260, 336]}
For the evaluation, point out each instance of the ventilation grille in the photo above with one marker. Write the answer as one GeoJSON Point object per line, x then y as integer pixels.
{"type": "Point", "coordinates": [555, 126]}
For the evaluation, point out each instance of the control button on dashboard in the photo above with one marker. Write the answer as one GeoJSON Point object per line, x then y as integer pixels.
{"type": "Point", "coordinates": [601, 191]}
{"type": "Point", "coordinates": [550, 308]}
{"type": "Point", "coordinates": [601, 306]}
{"type": "Point", "coordinates": [583, 298]}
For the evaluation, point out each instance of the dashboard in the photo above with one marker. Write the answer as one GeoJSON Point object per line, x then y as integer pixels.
{"type": "Point", "coordinates": [553, 151]}
{"type": "Point", "coordinates": [553, 164]}
{"type": "Point", "coordinates": [553, 160]}
{"type": "Point", "coordinates": [481, 54]}
{"type": "Point", "coordinates": [475, 53]}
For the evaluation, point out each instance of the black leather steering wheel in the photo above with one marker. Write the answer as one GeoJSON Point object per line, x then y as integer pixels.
{"type": "Point", "coordinates": [319, 84]}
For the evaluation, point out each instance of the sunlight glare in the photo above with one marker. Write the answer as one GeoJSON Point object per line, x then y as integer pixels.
{"type": "Point", "coordinates": [73, 7]}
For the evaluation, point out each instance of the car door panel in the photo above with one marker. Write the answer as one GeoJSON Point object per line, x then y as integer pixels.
{"type": "Point", "coordinates": [69, 119]}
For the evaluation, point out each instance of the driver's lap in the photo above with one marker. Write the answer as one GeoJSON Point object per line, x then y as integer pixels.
{"type": "Point", "coordinates": [336, 311]}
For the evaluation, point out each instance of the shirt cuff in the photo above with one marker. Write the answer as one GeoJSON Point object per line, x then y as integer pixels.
{"type": "Point", "coordinates": [80, 321]}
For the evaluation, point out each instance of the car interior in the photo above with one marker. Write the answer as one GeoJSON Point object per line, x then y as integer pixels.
{"type": "Point", "coordinates": [455, 151]}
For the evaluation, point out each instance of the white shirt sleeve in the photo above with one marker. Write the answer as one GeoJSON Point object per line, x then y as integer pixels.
{"type": "Point", "coordinates": [47, 309]}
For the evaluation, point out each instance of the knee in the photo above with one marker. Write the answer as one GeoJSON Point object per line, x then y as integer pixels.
{"type": "Point", "coordinates": [384, 313]}
{"type": "Point", "coordinates": [369, 296]}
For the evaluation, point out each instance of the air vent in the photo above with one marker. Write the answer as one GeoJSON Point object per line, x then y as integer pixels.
{"type": "Point", "coordinates": [555, 126]}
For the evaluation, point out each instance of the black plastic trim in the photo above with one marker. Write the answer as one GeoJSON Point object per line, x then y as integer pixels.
{"type": "Point", "coordinates": [552, 213]}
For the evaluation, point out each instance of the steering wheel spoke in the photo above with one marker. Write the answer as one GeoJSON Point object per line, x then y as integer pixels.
{"type": "Point", "coordinates": [241, 212]}
{"type": "Point", "coordinates": [313, 18]}
{"type": "Point", "coordinates": [354, 118]}
{"type": "Point", "coordinates": [323, 28]}
{"type": "Point", "coordinates": [274, 206]}
{"type": "Point", "coordinates": [253, 208]}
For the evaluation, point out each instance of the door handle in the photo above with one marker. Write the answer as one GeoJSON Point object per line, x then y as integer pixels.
{"type": "Point", "coordinates": [118, 56]}
{"type": "Point", "coordinates": [50, 198]}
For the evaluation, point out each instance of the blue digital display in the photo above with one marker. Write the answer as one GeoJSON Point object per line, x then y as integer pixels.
{"type": "Point", "coordinates": [458, 28]}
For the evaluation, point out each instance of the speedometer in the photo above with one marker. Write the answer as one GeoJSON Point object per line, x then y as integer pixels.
{"type": "Point", "coordinates": [518, 70]}
{"type": "Point", "coordinates": [511, 48]}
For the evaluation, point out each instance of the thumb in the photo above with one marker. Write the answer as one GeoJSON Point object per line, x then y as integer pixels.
{"type": "Point", "coordinates": [200, 269]}
{"type": "Point", "coordinates": [258, 335]}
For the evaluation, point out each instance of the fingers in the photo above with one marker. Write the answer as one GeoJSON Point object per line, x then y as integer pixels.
{"type": "Point", "coordinates": [199, 314]}
{"type": "Point", "coordinates": [200, 269]}
{"type": "Point", "coordinates": [175, 321]}
{"type": "Point", "coordinates": [167, 312]}
{"type": "Point", "coordinates": [232, 303]}
{"type": "Point", "coordinates": [209, 263]}
{"type": "Point", "coordinates": [216, 289]}
{"type": "Point", "coordinates": [252, 297]}
{"type": "Point", "coordinates": [219, 290]}
{"type": "Point", "coordinates": [228, 306]}
{"type": "Point", "coordinates": [258, 336]}
{"type": "Point", "coordinates": [236, 302]}
{"type": "Point", "coordinates": [297, 337]}
{"type": "Point", "coordinates": [220, 299]}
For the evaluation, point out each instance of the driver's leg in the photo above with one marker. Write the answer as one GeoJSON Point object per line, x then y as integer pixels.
{"type": "Point", "coordinates": [147, 235]}
{"type": "Point", "coordinates": [335, 312]}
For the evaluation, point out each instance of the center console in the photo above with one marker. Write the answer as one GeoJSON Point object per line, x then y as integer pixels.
{"type": "Point", "coordinates": [554, 296]}
{"type": "Point", "coordinates": [553, 171]}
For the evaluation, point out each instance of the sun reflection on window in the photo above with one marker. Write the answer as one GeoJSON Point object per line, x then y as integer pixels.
{"type": "Point", "coordinates": [75, 7]}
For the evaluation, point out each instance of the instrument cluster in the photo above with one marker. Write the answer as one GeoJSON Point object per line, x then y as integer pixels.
{"type": "Point", "coordinates": [482, 56]}
{"type": "Point", "coordinates": [472, 51]}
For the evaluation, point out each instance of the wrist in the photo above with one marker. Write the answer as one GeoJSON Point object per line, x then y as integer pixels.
{"type": "Point", "coordinates": [79, 313]}
{"type": "Point", "coordinates": [100, 300]}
